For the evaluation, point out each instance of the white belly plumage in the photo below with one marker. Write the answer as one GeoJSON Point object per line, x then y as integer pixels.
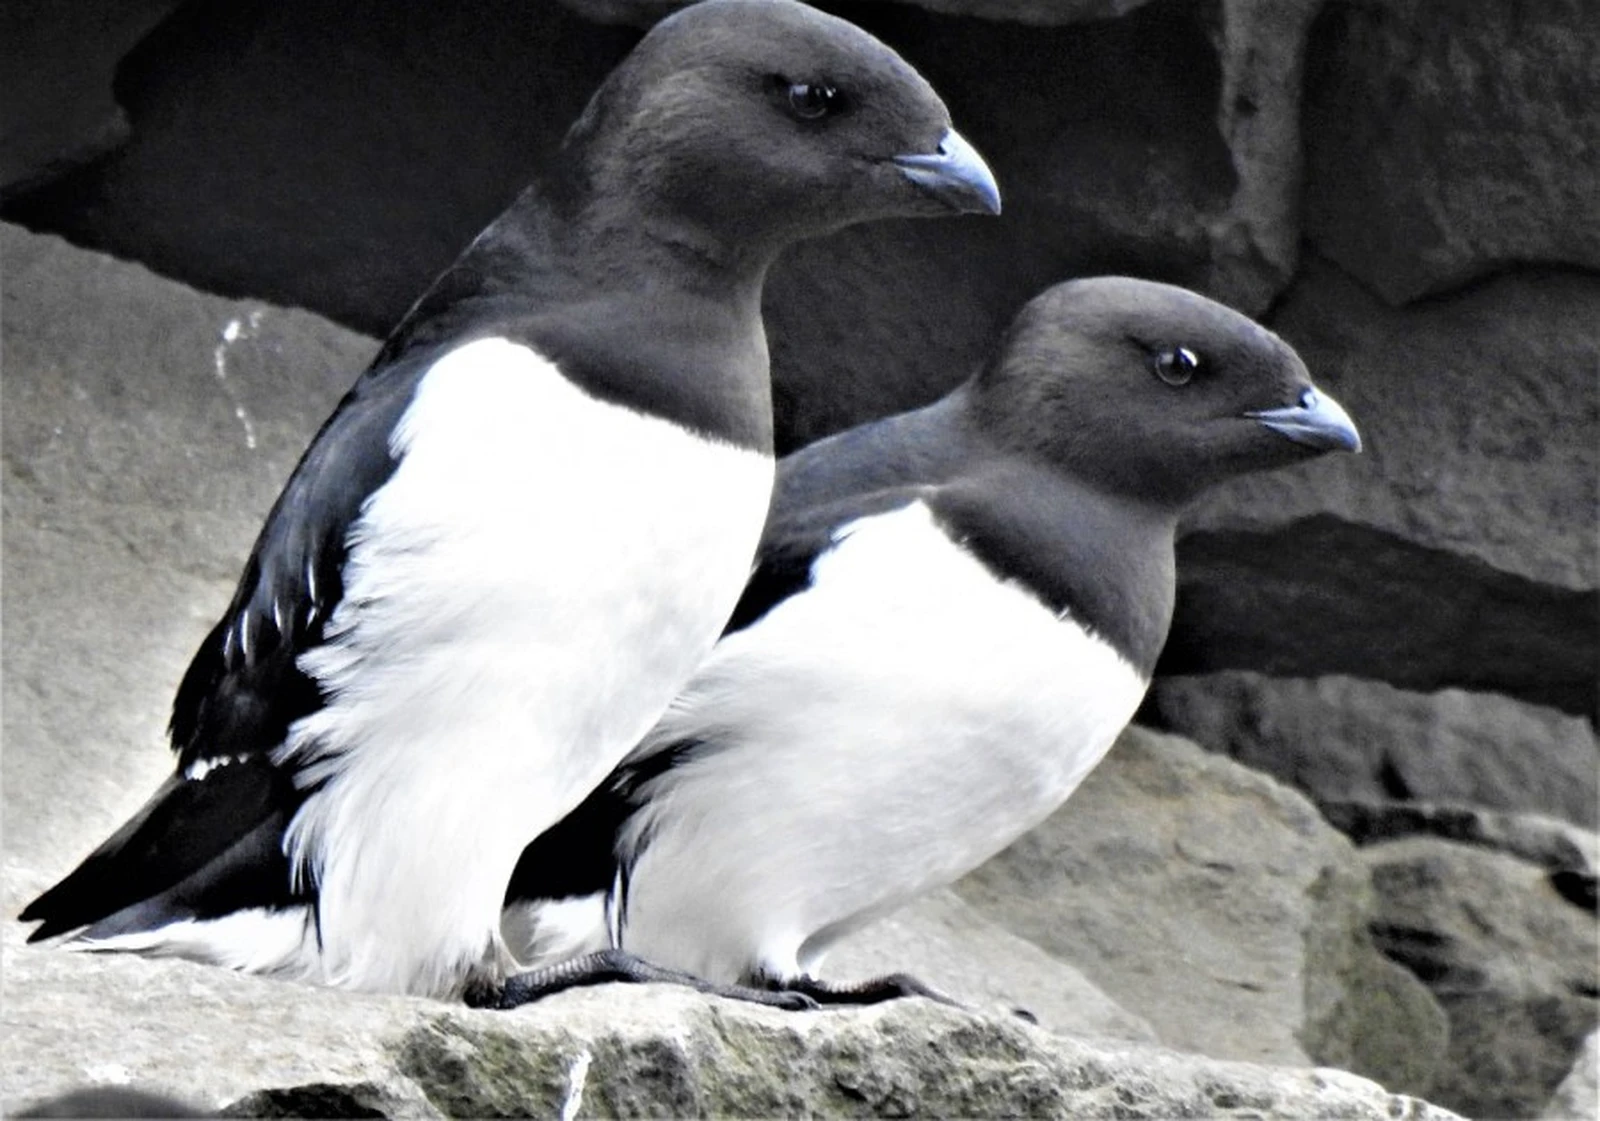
{"type": "Point", "coordinates": [522, 598]}
{"type": "Point", "coordinates": [883, 733]}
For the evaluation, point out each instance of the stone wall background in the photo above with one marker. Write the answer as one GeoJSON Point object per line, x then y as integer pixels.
{"type": "Point", "coordinates": [1407, 190]}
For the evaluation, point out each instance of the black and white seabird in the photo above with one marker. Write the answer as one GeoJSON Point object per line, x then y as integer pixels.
{"type": "Point", "coordinates": [954, 613]}
{"type": "Point", "coordinates": [528, 521]}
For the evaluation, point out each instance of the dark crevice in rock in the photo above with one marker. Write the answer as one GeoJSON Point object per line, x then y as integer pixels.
{"type": "Point", "coordinates": [1577, 887]}
{"type": "Point", "coordinates": [317, 1099]}
{"type": "Point", "coordinates": [1393, 782]}
{"type": "Point", "coordinates": [332, 157]}
{"type": "Point", "coordinates": [1326, 596]}
{"type": "Point", "coordinates": [1552, 845]}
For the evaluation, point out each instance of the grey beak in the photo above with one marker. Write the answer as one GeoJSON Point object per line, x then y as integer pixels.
{"type": "Point", "coordinates": [1318, 421]}
{"type": "Point", "coordinates": [955, 175]}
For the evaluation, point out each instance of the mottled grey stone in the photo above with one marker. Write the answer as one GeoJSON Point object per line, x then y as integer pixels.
{"type": "Point", "coordinates": [147, 429]}
{"type": "Point", "coordinates": [214, 1038]}
{"type": "Point", "coordinates": [1447, 141]}
{"type": "Point", "coordinates": [1515, 966]}
{"type": "Point", "coordinates": [945, 942]}
{"type": "Point", "coordinates": [1219, 906]}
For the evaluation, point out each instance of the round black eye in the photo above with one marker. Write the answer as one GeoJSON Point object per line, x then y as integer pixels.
{"type": "Point", "coordinates": [812, 101]}
{"type": "Point", "coordinates": [1176, 366]}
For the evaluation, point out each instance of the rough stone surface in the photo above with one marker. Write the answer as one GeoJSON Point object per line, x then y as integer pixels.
{"type": "Point", "coordinates": [945, 942]}
{"type": "Point", "coordinates": [1342, 738]}
{"type": "Point", "coordinates": [1460, 549]}
{"type": "Point", "coordinates": [129, 501]}
{"type": "Point", "coordinates": [215, 1038]}
{"type": "Point", "coordinates": [1578, 1096]}
{"type": "Point", "coordinates": [1514, 964]}
{"type": "Point", "coordinates": [1447, 141]}
{"type": "Point", "coordinates": [1220, 907]}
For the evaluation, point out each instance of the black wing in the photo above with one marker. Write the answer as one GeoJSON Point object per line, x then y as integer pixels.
{"type": "Point", "coordinates": [212, 843]}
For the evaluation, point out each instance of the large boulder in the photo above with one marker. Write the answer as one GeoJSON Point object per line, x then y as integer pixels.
{"type": "Point", "coordinates": [1220, 907]}
{"type": "Point", "coordinates": [1514, 963]}
{"type": "Point", "coordinates": [266, 1048]}
{"type": "Point", "coordinates": [146, 431]}
{"type": "Point", "coordinates": [1446, 141]}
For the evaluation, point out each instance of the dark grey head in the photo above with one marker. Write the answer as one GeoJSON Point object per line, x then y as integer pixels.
{"type": "Point", "coordinates": [746, 124]}
{"type": "Point", "coordinates": [1152, 390]}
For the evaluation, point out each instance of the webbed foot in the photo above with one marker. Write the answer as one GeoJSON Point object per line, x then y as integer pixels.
{"type": "Point", "coordinates": [605, 966]}
{"type": "Point", "coordinates": [874, 990]}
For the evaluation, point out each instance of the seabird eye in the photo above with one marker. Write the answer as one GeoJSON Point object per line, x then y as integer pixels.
{"type": "Point", "coordinates": [1177, 366]}
{"type": "Point", "coordinates": [811, 101]}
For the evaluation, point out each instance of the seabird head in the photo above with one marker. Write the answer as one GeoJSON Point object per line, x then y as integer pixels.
{"type": "Point", "coordinates": [756, 122]}
{"type": "Point", "coordinates": [1153, 390]}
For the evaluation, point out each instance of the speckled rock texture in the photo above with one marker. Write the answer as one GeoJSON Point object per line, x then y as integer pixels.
{"type": "Point", "coordinates": [1219, 906]}
{"type": "Point", "coordinates": [1514, 962]}
{"type": "Point", "coordinates": [262, 1048]}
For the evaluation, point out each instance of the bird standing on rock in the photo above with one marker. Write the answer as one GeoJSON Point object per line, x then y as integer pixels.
{"type": "Point", "coordinates": [954, 613]}
{"type": "Point", "coordinates": [519, 532]}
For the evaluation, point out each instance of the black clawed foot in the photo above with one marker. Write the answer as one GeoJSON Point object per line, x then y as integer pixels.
{"type": "Point", "coordinates": [875, 990]}
{"type": "Point", "coordinates": [605, 966]}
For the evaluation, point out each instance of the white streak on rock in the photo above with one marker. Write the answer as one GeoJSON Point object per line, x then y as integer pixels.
{"type": "Point", "coordinates": [234, 332]}
{"type": "Point", "coordinates": [577, 1077]}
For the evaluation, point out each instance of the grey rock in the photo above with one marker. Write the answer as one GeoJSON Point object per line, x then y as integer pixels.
{"type": "Point", "coordinates": [1220, 907]}
{"type": "Point", "coordinates": [1447, 141]}
{"type": "Point", "coordinates": [146, 431]}
{"type": "Point", "coordinates": [946, 943]}
{"type": "Point", "coordinates": [255, 1047]}
{"type": "Point", "coordinates": [1515, 966]}
{"type": "Point", "coordinates": [1578, 1096]}
{"type": "Point", "coordinates": [1460, 549]}
{"type": "Point", "coordinates": [1342, 739]}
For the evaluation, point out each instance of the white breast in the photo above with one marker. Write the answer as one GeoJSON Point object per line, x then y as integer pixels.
{"type": "Point", "coordinates": [522, 598]}
{"type": "Point", "coordinates": [880, 734]}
